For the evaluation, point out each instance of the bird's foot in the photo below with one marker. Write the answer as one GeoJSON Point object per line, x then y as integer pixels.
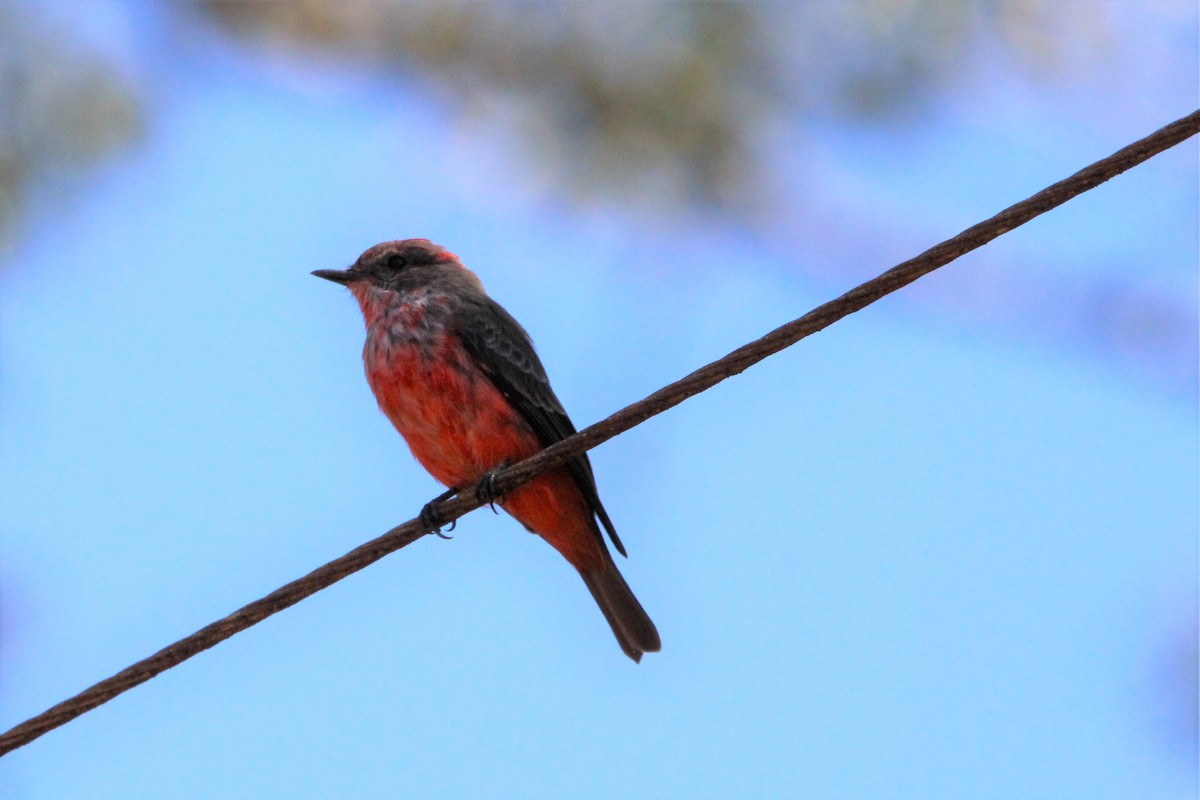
{"type": "Point", "coordinates": [485, 490]}
{"type": "Point", "coordinates": [428, 514]}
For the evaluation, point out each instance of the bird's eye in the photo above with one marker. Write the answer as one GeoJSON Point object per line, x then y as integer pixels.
{"type": "Point", "coordinates": [396, 261]}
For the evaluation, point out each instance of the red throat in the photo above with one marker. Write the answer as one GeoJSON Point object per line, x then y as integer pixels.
{"type": "Point", "coordinates": [371, 300]}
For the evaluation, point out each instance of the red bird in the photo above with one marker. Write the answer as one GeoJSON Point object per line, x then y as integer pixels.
{"type": "Point", "coordinates": [460, 380]}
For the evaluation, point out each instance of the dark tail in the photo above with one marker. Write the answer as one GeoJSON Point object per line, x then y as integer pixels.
{"type": "Point", "coordinates": [629, 621]}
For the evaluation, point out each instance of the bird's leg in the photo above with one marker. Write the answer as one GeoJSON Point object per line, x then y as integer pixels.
{"type": "Point", "coordinates": [485, 490]}
{"type": "Point", "coordinates": [429, 512]}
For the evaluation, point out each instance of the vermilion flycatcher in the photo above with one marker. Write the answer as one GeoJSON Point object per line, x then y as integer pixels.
{"type": "Point", "coordinates": [460, 380]}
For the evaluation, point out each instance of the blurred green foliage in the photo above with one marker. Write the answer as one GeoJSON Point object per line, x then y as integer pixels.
{"type": "Point", "coordinates": [663, 103]}
{"type": "Point", "coordinates": [657, 101]}
{"type": "Point", "coordinates": [63, 108]}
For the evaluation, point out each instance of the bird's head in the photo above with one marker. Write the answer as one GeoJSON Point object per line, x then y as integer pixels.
{"type": "Point", "coordinates": [387, 271]}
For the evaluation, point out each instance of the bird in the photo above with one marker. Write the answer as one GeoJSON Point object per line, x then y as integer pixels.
{"type": "Point", "coordinates": [460, 380]}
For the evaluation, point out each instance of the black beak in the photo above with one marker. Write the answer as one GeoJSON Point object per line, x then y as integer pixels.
{"type": "Point", "coordinates": [342, 276]}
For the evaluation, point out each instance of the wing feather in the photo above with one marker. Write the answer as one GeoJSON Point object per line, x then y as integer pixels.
{"type": "Point", "coordinates": [506, 356]}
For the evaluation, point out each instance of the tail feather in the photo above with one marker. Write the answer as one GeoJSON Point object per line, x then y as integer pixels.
{"type": "Point", "coordinates": [629, 621]}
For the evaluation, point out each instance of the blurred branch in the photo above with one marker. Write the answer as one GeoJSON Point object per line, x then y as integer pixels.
{"type": "Point", "coordinates": [554, 456]}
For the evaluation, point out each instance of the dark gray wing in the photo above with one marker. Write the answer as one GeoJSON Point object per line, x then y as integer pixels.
{"type": "Point", "coordinates": [505, 353]}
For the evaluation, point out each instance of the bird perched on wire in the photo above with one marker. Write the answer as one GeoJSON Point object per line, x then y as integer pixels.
{"type": "Point", "coordinates": [460, 380]}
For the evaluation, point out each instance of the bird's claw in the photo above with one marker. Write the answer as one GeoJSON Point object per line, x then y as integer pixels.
{"type": "Point", "coordinates": [485, 491]}
{"type": "Point", "coordinates": [428, 515]}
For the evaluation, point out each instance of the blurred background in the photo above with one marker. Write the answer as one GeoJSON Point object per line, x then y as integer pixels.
{"type": "Point", "coordinates": [946, 548]}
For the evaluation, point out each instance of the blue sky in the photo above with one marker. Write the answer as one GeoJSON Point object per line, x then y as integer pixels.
{"type": "Point", "coordinates": [906, 558]}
